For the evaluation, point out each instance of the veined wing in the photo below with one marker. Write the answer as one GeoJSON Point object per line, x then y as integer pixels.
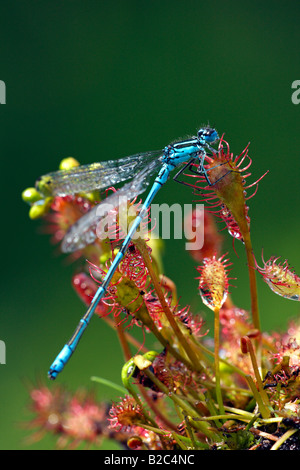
{"type": "Point", "coordinates": [86, 178]}
{"type": "Point", "coordinates": [83, 232]}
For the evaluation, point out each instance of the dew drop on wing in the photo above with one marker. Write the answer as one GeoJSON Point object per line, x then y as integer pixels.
{"type": "Point", "coordinates": [94, 176]}
{"type": "Point", "coordinates": [83, 232]}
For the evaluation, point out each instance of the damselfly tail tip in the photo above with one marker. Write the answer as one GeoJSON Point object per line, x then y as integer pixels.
{"type": "Point", "coordinates": [52, 374]}
{"type": "Point", "coordinates": [59, 363]}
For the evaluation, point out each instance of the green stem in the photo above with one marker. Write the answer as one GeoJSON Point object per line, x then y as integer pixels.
{"type": "Point", "coordinates": [231, 366]}
{"type": "Point", "coordinates": [238, 411]}
{"type": "Point", "coordinates": [247, 347]}
{"type": "Point", "coordinates": [224, 416]}
{"type": "Point", "coordinates": [252, 281]}
{"type": "Point", "coordinates": [264, 411]}
{"type": "Point", "coordinates": [123, 341]}
{"type": "Point", "coordinates": [177, 437]}
{"type": "Point", "coordinates": [217, 361]}
{"type": "Point", "coordinates": [283, 438]}
{"type": "Point", "coordinates": [108, 383]}
{"type": "Point", "coordinates": [190, 432]}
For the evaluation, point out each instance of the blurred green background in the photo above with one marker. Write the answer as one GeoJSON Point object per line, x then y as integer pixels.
{"type": "Point", "coordinates": [100, 80]}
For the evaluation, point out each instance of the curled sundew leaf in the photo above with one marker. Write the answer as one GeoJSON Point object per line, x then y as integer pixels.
{"type": "Point", "coordinates": [281, 278]}
{"type": "Point", "coordinates": [213, 281]}
{"type": "Point", "coordinates": [226, 196]}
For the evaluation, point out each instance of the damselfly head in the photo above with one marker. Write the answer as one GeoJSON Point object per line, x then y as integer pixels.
{"type": "Point", "coordinates": [207, 135]}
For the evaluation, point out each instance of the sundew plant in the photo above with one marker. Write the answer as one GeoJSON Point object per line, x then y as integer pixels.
{"type": "Point", "coordinates": [237, 388]}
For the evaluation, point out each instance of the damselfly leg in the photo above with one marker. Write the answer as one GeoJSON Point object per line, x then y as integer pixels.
{"type": "Point", "coordinates": [200, 171]}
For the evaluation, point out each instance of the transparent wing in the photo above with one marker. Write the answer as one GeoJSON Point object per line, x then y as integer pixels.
{"type": "Point", "coordinates": [83, 232]}
{"type": "Point", "coordinates": [94, 176]}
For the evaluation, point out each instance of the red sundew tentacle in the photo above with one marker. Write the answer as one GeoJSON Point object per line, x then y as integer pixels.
{"type": "Point", "coordinates": [252, 195]}
{"type": "Point", "coordinates": [257, 181]}
{"type": "Point", "coordinates": [111, 311]}
{"type": "Point", "coordinates": [208, 158]}
{"type": "Point", "coordinates": [246, 176]}
{"type": "Point", "coordinates": [221, 146]}
{"type": "Point", "coordinates": [210, 198]}
{"type": "Point", "coordinates": [133, 267]}
{"type": "Point", "coordinates": [245, 167]}
{"type": "Point", "coordinates": [242, 156]}
{"type": "Point", "coordinates": [114, 233]}
{"type": "Point", "coordinates": [222, 229]}
{"type": "Point", "coordinates": [244, 151]}
{"type": "Point", "coordinates": [92, 275]}
{"type": "Point", "coordinates": [134, 200]}
{"type": "Point", "coordinates": [212, 206]}
{"type": "Point", "coordinates": [191, 185]}
{"type": "Point", "coordinates": [154, 226]}
{"type": "Point", "coordinates": [122, 321]}
{"type": "Point", "coordinates": [193, 323]}
{"type": "Point", "coordinates": [154, 307]}
{"type": "Point", "coordinates": [132, 302]}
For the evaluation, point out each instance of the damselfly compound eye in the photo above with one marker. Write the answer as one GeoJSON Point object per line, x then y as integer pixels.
{"type": "Point", "coordinates": [207, 134]}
